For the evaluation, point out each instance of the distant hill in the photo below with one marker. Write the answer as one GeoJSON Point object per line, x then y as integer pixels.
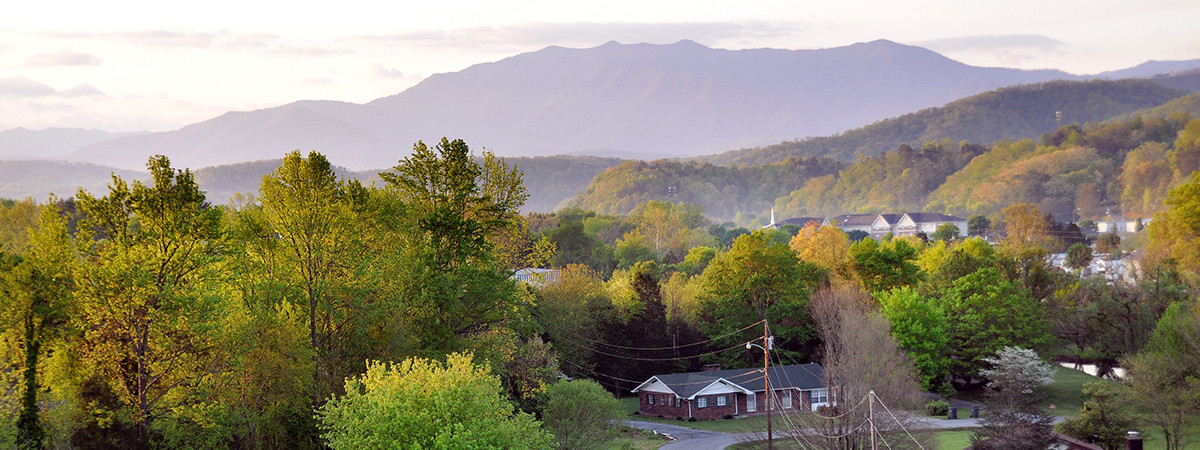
{"type": "Point", "coordinates": [1017, 112]}
{"type": "Point", "coordinates": [550, 180]}
{"type": "Point", "coordinates": [39, 179]}
{"type": "Point", "coordinates": [22, 143]}
{"type": "Point", "coordinates": [682, 99]}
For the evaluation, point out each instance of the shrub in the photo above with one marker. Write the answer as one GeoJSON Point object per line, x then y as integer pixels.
{"type": "Point", "coordinates": [728, 416]}
{"type": "Point", "coordinates": [937, 408]}
{"type": "Point", "coordinates": [691, 419]}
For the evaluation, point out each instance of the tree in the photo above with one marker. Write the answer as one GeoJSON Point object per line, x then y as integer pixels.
{"type": "Point", "coordinates": [758, 279]}
{"type": "Point", "coordinates": [885, 266]}
{"type": "Point", "coordinates": [1025, 227]}
{"type": "Point", "coordinates": [860, 359]}
{"type": "Point", "coordinates": [1103, 419]}
{"type": "Point", "coordinates": [919, 327]}
{"type": "Point", "coordinates": [1014, 419]}
{"type": "Point", "coordinates": [1109, 244]}
{"type": "Point", "coordinates": [149, 321]}
{"type": "Point", "coordinates": [1165, 376]}
{"type": "Point", "coordinates": [314, 245]}
{"type": "Point", "coordinates": [827, 247]}
{"type": "Point", "coordinates": [454, 286]}
{"type": "Point", "coordinates": [1173, 233]}
{"type": "Point", "coordinates": [581, 414]}
{"type": "Point", "coordinates": [420, 403]}
{"type": "Point", "coordinates": [946, 232]}
{"type": "Point", "coordinates": [37, 303]}
{"type": "Point", "coordinates": [986, 313]}
{"type": "Point", "coordinates": [978, 225]}
{"type": "Point", "coordinates": [1079, 256]}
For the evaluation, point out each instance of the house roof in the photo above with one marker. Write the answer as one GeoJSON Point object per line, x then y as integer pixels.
{"type": "Point", "coordinates": [890, 218]}
{"type": "Point", "coordinates": [798, 376]}
{"type": "Point", "coordinates": [803, 221]}
{"type": "Point", "coordinates": [851, 220]}
{"type": "Point", "coordinates": [927, 217]}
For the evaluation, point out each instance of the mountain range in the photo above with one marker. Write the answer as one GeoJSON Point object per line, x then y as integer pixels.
{"type": "Point", "coordinates": [634, 101]}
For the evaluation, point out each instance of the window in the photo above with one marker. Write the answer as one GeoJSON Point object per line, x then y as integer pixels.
{"type": "Point", "coordinates": [820, 396]}
{"type": "Point", "coordinates": [722, 400]}
{"type": "Point", "coordinates": [678, 402]}
{"type": "Point", "coordinates": [650, 398]}
{"type": "Point", "coordinates": [702, 402]}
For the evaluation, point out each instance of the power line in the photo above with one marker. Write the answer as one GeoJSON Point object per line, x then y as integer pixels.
{"type": "Point", "coordinates": [633, 358]}
{"type": "Point", "coordinates": [622, 347]}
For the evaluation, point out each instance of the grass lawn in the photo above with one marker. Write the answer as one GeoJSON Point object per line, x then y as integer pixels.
{"type": "Point", "coordinates": [954, 439]}
{"type": "Point", "coordinates": [741, 425]}
{"type": "Point", "coordinates": [634, 439]}
{"type": "Point", "coordinates": [1065, 394]}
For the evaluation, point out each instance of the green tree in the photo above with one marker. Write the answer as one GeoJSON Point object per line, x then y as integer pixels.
{"type": "Point", "coordinates": [1103, 417]}
{"type": "Point", "coordinates": [1173, 233]}
{"type": "Point", "coordinates": [887, 265]}
{"type": "Point", "coordinates": [581, 414]}
{"type": "Point", "coordinates": [148, 315]}
{"type": "Point", "coordinates": [919, 327]}
{"type": "Point", "coordinates": [1079, 256]}
{"type": "Point", "coordinates": [1165, 376]}
{"type": "Point", "coordinates": [946, 232]}
{"type": "Point", "coordinates": [758, 279]}
{"type": "Point", "coordinates": [454, 285]}
{"type": "Point", "coordinates": [36, 302]}
{"type": "Point", "coordinates": [986, 313]}
{"type": "Point", "coordinates": [420, 403]}
{"type": "Point", "coordinates": [978, 225]}
{"type": "Point", "coordinates": [313, 244]}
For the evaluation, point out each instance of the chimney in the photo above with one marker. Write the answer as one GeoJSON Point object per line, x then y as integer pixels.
{"type": "Point", "coordinates": [712, 367]}
{"type": "Point", "coordinates": [1133, 441]}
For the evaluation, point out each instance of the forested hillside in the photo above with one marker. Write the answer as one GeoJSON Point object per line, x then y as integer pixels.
{"type": "Point", "coordinates": [723, 191]}
{"type": "Point", "coordinates": [38, 179]}
{"type": "Point", "coordinates": [1122, 166]}
{"type": "Point", "coordinates": [1018, 112]}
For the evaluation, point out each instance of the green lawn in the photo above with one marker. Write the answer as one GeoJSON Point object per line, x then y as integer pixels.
{"type": "Point", "coordinates": [1065, 394]}
{"type": "Point", "coordinates": [634, 439]}
{"type": "Point", "coordinates": [954, 439]}
{"type": "Point", "coordinates": [740, 425]}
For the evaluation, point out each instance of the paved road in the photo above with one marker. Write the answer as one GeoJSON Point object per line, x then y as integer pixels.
{"type": "Point", "coordinates": [691, 438]}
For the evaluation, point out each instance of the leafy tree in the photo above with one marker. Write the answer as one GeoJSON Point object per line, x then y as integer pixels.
{"type": "Point", "coordinates": [1025, 227]}
{"type": "Point", "coordinates": [919, 327]}
{"type": "Point", "coordinates": [1014, 419]}
{"type": "Point", "coordinates": [1165, 376]}
{"type": "Point", "coordinates": [420, 403]}
{"type": "Point", "coordinates": [697, 260]}
{"type": "Point", "coordinates": [758, 279]}
{"type": "Point", "coordinates": [314, 246]}
{"type": "Point", "coordinates": [887, 265]}
{"type": "Point", "coordinates": [1173, 233]}
{"type": "Point", "coordinates": [581, 414]}
{"type": "Point", "coordinates": [632, 249]}
{"type": "Point", "coordinates": [1079, 256]}
{"type": "Point", "coordinates": [946, 232]}
{"type": "Point", "coordinates": [455, 287]}
{"type": "Point", "coordinates": [149, 320]}
{"type": "Point", "coordinates": [827, 247]}
{"type": "Point", "coordinates": [986, 313]}
{"type": "Point", "coordinates": [36, 303]}
{"type": "Point", "coordinates": [1103, 418]}
{"type": "Point", "coordinates": [978, 225]}
{"type": "Point", "coordinates": [1110, 244]}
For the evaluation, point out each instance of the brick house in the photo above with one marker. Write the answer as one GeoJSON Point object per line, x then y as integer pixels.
{"type": "Point", "coordinates": [714, 394]}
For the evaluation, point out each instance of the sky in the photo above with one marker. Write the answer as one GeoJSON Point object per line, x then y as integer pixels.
{"type": "Point", "coordinates": [133, 65]}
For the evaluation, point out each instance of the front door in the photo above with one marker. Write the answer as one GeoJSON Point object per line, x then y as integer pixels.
{"type": "Point", "coordinates": [751, 403]}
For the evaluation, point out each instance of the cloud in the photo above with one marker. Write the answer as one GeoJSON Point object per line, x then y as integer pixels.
{"type": "Point", "coordinates": [1004, 42]}
{"type": "Point", "coordinates": [82, 90]}
{"type": "Point", "coordinates": [24, 87]}
{"type": "Point", "coordinates": [27, 88]}
{"type": "Point", "coordinates": [63, 59]}
{"type": "Point", "coordinates": [392, 74]}
{"type": "Point", "coordinates": [593, 33]}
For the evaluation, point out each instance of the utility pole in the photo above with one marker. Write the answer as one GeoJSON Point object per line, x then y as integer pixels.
{"type": "Point", "coordinates": [871, 417]}
{"type": "Point", "coordinates": [766, 369]}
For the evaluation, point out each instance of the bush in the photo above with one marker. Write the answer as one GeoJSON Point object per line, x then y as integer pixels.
{"type": "Point", "coordinates": [581, 414]}
{"type": "Point", "coordinates": [728, 416]}
{"type": "Point", "coordinates": [691, 419]}
{"type": "Point", "coordinates": [937, 408]}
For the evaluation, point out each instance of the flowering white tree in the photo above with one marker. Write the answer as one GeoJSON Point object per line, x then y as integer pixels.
{"type": "Point", "coordinates": [1014, 420]}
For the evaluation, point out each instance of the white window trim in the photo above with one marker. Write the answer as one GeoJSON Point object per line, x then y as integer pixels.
{"type": "Point", "coordinates": [702, 402]}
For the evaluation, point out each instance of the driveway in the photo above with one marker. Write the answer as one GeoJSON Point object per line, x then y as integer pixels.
{"type": "Point", "coordinates": [691, 438]}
